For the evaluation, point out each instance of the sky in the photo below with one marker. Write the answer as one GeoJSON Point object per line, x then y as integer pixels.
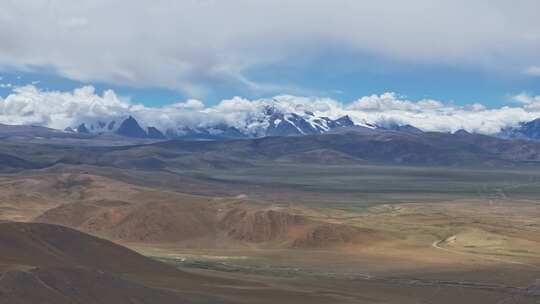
{"type": "Point", "coordinates": [165, 52]}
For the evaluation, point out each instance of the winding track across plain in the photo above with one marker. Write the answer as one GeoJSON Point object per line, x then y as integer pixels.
{"type": "Point", "coordinates": [436, 245]}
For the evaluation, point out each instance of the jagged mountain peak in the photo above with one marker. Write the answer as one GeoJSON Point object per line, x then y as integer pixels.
{"type": "Point", "coordinates": [525, 130]}
{"type": "Point", "coordinates": [345, 120]}
{"type": "Point", "coordinates": [271, 122]}
{"type": "Point", "coordinates": [131, 128]}
{"type": "Point", "coordinates": [82, 129]}
{"type": "Point", "coordinates": [462, 132]}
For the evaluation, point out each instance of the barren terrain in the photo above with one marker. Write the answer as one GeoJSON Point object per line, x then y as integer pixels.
{"type": "Point", "coordinates": [477, 249]}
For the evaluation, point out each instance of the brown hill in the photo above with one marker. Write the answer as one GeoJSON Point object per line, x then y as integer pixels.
{"type": "Point", "coordinates": [260, 225]}
{"type": "Point", "coordinates": [41, 263]}
{"type": "Point", "coordinates": [48, 264]}
{"type": "Point", "coordinates": [198, 222]}
{"type": "Point", "coordinates": [34, 244]}
{"type": "Point", "coordinates": [280, 226]}
{"type": "Point", "coordinates": [123, 212]}
{"type": "Point", "coordinates": [158, 221]}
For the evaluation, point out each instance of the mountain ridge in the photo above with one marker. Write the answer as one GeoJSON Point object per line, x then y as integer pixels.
{"type": "Point", "coordinates": [526, 130]}
{"type": "Point", "coordinates": [273, 123]}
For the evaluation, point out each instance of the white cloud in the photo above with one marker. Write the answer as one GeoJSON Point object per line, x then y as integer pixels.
{"type": "Point", "coordinates": [391, 101]}
{"type": "Point", "coordinates": [74, 22]}
{"type": "Point", "coordinates": [529, 102]}
{"type": "Point", "coordinates": [433, 115]}
{"type": "Point", "coordinates": [476, 107]}
{"type": "Point", "coordinates": [56, 109]}
{"type": "Point", "coordinates": [29, 105]}
{"type": "Point", "coordinates": [533, 71]}
{"type": "Point", "coordinates": [193, 45]}
{"type": "Point", "coordinates": [192, 104]}
{"type": "Point", "coordinates": [523, 98]}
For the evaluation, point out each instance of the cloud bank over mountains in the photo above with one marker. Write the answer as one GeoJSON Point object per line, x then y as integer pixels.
{"type": "Point", "coordinates": [56, 109]}
{"type": "Point", "coordinates": [192, 45]}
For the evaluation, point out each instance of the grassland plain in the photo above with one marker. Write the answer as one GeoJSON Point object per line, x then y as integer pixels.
{"type": "Point", "coordinates": [360, 186]}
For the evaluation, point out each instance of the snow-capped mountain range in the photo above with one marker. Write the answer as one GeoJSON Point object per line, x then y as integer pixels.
{"type": "Point", "coordinates": [269, 121]}
{"type": "Point", "coordinates": [272, 122]}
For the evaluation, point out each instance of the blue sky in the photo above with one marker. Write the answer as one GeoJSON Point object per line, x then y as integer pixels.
{"type": "Point", "coordinates": [50, 81]}
{"type": "Point", "coordinates": [347, 77]}
{"type": "Point", "coordinates": [327, 77]}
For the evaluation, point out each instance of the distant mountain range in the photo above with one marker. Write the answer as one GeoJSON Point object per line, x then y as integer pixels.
{"type": "Point", "coordinates": [272, 123]}
{"type": "Point", "coordinates": [360, 146]}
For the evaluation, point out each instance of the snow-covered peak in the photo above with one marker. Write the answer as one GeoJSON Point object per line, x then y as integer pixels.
{"type": "Point", "coordinates": [269, 121]}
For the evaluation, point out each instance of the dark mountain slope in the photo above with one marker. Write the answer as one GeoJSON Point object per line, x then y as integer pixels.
{"type": "Point", "coordinates": [9, 163]}
{"type": "Point", "coordinates": [380, 147]}
{"type": "Point", "coordinates": [35, 244]}
{"type": "Point", "coordinates": [131, 128]}
{"type": "Point", "coordinates": [155, 133]}
{"type": "Point", "coordinates": [525, 130]}
{"type": "Point", "coordinates": [366, 147]}
{"type": "Point", "coordinates": [42, 263]}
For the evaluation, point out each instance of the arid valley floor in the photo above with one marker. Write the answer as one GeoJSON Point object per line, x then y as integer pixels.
{"type": "Point", "coordinates": [261, 235]}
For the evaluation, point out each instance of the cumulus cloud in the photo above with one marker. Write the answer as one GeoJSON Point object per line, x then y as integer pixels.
{"type": "Point", "coordinates": [529, 102]}
{"type": "Point", "coordinates": [192, 104]}
{"type": "Point", "coordinates": [55, 109]}
{"type": "Point", "coordinates": [193, 45]}
{"type": "Point", "coordinates": [58, 109]}
{"type": "Point", "coordinates": [433, 115]}
{"type": "Point", "coordinates": [390, 101]}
